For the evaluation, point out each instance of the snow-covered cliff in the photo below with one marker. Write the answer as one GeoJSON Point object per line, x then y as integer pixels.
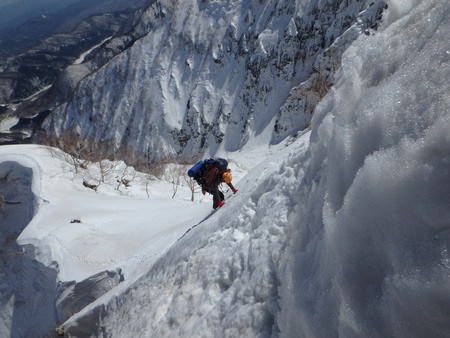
{"type": "Point", "coordinates": [202, 76]}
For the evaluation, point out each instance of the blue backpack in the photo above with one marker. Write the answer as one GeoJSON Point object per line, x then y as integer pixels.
{"type": "Point", "coordinates": [195, 169]}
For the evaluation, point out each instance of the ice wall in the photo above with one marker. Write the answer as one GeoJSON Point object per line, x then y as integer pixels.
{"type": "Point", "coordinates": [369, 255]}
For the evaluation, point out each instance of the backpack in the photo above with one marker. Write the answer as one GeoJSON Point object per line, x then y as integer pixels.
{"type": "Point", "coordinates": [221, 164]}
{"type": "Point", "coordinates": [195, 169]}
{"type": "Point", "coordinates": [204, 172]}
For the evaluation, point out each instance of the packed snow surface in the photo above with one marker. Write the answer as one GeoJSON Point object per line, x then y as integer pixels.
{"type": "Point", "coordinates": [341, 231]}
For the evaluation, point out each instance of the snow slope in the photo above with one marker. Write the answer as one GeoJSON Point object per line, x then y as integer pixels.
{"type": "Point", "coordinates": [221, 278]}
{"type": "Point", "coordinates": [342, 231]}
{"type": "Point", "coordinates": [75, 233]}
{"type": "Point", "coordinates": [68, 218]}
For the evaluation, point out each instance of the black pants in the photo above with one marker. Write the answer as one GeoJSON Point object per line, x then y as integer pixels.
{"type": "Point", "coordinates": [218, 196]}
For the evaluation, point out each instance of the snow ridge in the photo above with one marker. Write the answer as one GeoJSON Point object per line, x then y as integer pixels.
{"type": "Point", "coordinates": [192, 291]}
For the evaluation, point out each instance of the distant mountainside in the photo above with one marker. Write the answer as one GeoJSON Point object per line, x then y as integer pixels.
{"type": "Point", "coordinates": [46, 21]}
{"type": "Point", "coordinates": [34, 54]}
{"type": "Point", "coordinates": [27, 71]}
{"type": "Point", "coordinates": [15, 12]}
{"type": "Point", "coordinates": [182, 78]}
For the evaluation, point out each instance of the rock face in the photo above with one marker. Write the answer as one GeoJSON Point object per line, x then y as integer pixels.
{"type": "Point", "coordinates": [187, 77]}
{"type": "Point", "coordinates": [21, 275]}
{"type": "Point", "coordinates": [73, 297]}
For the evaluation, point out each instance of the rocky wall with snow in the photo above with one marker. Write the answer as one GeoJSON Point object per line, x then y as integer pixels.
{"type": "Point", "coordinates": [209, 75]}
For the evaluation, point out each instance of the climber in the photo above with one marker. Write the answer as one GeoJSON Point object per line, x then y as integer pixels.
{"type": "Point", "coordinates": [210, 174]}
